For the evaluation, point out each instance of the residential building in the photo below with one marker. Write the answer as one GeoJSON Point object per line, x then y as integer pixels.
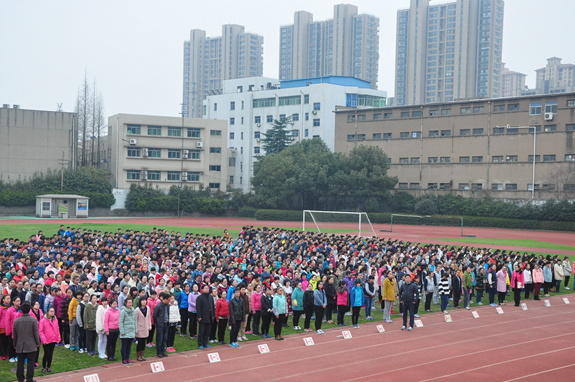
{"type": "Point", "coordinates": [347, 45]}
{"type": "Point", "coordinates": [34, 142]}
{"type": "Point", "coordinates": [554, 78]}
{"type": "Point", "coordinates": [448, 51]}
{"type": "Point", "coordinates": [480, 147]}
{"type": "Point", "coordinates": [208, 61]}
{"type": "Point", "coordinates": [167, 151]}
{"type": "Point", "coordinates": [512, 83]}
{"type": "Point", "coordinates": [250, 105]}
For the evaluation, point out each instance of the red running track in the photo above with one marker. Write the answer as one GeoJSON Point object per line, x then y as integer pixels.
{"type": "Point", "coordinates": [531, 345]}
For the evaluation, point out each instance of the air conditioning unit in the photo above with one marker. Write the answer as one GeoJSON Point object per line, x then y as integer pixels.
{"type": "Point", "coordinates": [16, 106]}
{"type": "Point", "coordinates": [145, 153]}
{"type": "Point", "coordinates": [258, 125]}
{"type": "Point", "coordinates": [144, 175]}
{"type": "Point", "coordinates": [5, 105]}
{"type": "Point", "coordinates": [292, 123]}
{"type": "Point", "coordinates": [314, 112]}
{"type": "Point", "coordinates": [257, 140]}
{"type": "Point", "coordinates": [133, 141]}
{"type": "Point", "coordinates": [199, 144]}
{"type": "Point", "coordinates": [185, 154]}
{"type": "Point", "coordinates": [184, 176]}
{"type": "Point", "coordinates": [548, 116]}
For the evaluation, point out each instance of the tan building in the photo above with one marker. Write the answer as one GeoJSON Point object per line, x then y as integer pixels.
{"type": "Point", "coordinates": [169, 151]}
{"type": "Point", "coordinates": [513, 83]}
{"type": "Point", "coordinates": [33, 141]}
{"type": "Point", "coordinates": [480, 147]}
{"type": "Point", "coordinates": [554, 78]}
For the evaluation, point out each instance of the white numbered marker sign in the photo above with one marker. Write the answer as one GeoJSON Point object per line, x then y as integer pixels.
{"type": "Point", "coordinates": [566, 300]}
{"type": "Point", "coordinates": [523, 306]}
{"type": "Point", "coordinates": [380, 328]}
{"type": "Point", "coordinates": [475, 314]}
{"type": "Point", "coordinates": [308, 341]}
{"type": "Point", "coordinates": [499, 310]}
{"type": "Point", "coordinates": [418, 324]}
{"type": "Point", "coordinates": [263, 349]}
{"type": "Point", "coordinates": [214, 357]}
{"type": "Point", "coordinates": [157, 367]}
{"type": "Point", "coordinates": [547, 303]}
{"type": "Point", "coordinates": [91, 378]}
{"type": "Point", "coordinates": [448, 318]}
{"type": "Point", "coordinates": [346, 334]}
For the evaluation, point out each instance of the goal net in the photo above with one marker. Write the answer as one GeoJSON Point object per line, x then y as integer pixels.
{"type": "Point", "coordinates": [446, 221]}
{"type": "Point", "coordinates": [338, 222]}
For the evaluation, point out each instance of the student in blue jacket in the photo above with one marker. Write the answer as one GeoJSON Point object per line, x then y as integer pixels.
{"type": "Point", "coordinates": [356, 298]}
{"type": "Point", "coordinates": [183, 304]}
{"type": "Point", "coordinates": [319, 304]}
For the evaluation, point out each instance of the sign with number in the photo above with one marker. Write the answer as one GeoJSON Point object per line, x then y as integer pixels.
{"type": "Point", "coordinates": [418, 324]}
{"type": "Point", "coordinates": [91, 378]}
{"type": "Point", "coordinates": [448, 318]}
{"type": "Point", "coordinates": [566, 300]}
{"type": "Point", "coordinates": [523, 306]}
{"type": "Point", "coordinates": [475, 314]}
{"type": "Point", "coordinates": [263, 349]}
{"type": "Point", "coordinates": [499, 310]}
{"type": "Point", "coordinates": [214, 357]}
{"type": "Point", "coordinates": [346, 334]}
{"type": "Point", "coordinates": [308, 341]}
{"type": "Point", "coordinates": [157, 367]}
{"type": "Point", "coordinates": [547, 303]}
{"type": "Point", "coordinates": [380, 328]}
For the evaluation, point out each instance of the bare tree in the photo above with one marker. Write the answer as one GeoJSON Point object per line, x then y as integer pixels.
{"type": "Point", "coordinates": [83, 111]}
{"type": "Point", "coordinates": [99, 123]}
{"type": "Point", "coordinates": [559, 180]}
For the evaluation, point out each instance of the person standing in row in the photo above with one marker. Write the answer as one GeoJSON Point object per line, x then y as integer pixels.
{"type": "Point", "coordinates": [143, 325]}
{"type": "Point", "coordinates": [161, 318]}
{"type": "Point", "coordinates": [127, 329]}
{"type": "Point", "coordinates": [90, 312]}
{"type": "Point", "coordinates": [388, 296]}
{"type": "Point", "coordinates": [356, 298]}
{"type": "Point", "coordinates": [341, 303]}
{"type": "Point", "coordinates": [100, 329]}
{"type": "Point", "coordinates": [222, 315]}
{"type": "Point", "coordinates": [267, 311]}
{"type": "Point", "coordinates": [256, 301]}
{"type": "Point", "coordinates": [26, 342]}
{"type": "Point", "coordinates": [111, 326]}
{"type": "Point", "coordinates": [408, 296]}
{"type": "Point", "coordinates": [280, 311]}
{"type": "Point", "coordinates": [49, 332]}
{"type": "Point", "coordinates": [206, 312]}
{"type": "Point", "coordinates": [319, 305]}
{"type": "Point", "coordinates": [517, 284]}
{"type": "Point", "coordinates": [237, 315]}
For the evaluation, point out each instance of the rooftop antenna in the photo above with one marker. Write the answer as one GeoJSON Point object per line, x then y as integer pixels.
{"type": "Point", "coordinates": [59, 107]}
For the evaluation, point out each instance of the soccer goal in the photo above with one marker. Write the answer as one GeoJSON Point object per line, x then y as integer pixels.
{"type": "Point", "coordinates": [329, 220]}
{"type": "Point", "coordinates": [424, 220]}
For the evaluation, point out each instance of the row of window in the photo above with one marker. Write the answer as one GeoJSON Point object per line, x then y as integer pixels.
{"type": "Point", "coordinates": [170, 176]}
{"type": "Point", "coordinates": [172, 131]}
{"type": "Point", "coordinates": [479, 186]}
{"type": "Point", "coordinates": [479, 159]}
{"type": "Point", "coordinates": [152, 152]}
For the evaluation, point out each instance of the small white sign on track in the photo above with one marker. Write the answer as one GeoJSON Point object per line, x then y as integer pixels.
{"type": "Point", "coordinates": [418, 324]}
{"type": "Point", "coordinates": [566, 300]}
{"type": "Point", "coordinates": [91, 378]}
{"type": "Point", "coordinates": [346, 334]}
{"type": "Point", "coordinates": [499, 310]}
{"type": "Point", "coordinates": [475, 314]}
{"type": "Point", "coordinates": [547, 303]}
{"type": "Point", "coordinates": [380, 328]}
{"type": "Point", "coordinates": [523, 306]}
{"type": "Point", "coordinates": [448, 318]}
{"type": "Point", "coordinates": [157, 367]}
{"type": "Point", "coordinates": [308, 341]}
{"type": "Point", "coordinates": [263, 348]}
{"type": "Point", "coordinates": [214, 357]}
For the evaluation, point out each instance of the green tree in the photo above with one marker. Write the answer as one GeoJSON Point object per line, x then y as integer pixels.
{"type": "Point", "coordinates": [278, 138]}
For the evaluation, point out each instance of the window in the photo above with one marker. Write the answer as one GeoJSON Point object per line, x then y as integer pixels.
{"type": "Point", "coordinates": [463, 132]}
{"type": "Point", "coordinates": [415, 160]}
{"type": "Point", "coordinates": [497, 158]}
{"type": "Point", "coordinates": [316, 122]}
{"type": "Point", "coordinates": [231, 179]}
{"type": "Point", "coordinates": [193, 133]}
{"type": "Point", "coordinates": [154, 130]}
{"type": "Point", "coordinates": [376, 135]}
{"type": "Point", "coordinates": [387, 135]}
{"type": "Point", "coordinates": [499, 108]}
{"type": "Point", "coordinates": [402, 186]}
{"type": "Point", "coordinates": [510, 186]}
{"type": "Point", "coordinates": [549, 187]}
{"type": "Point", "coordinates": [477, 186]}
{"type": "Point", "coordinates": [414, 186]}
{"type": "Point", "coordinates": [405, 114]}
{"type": "Point", "coordinates": [499, 130]}
{"type": "Point", "coordinates": [511, 158]}
{"type": "Point", "coordinates": [264, 102]}
{"type": "Point", "coordinates": [134, 152]}
{"type": "Point", "coordinates": [133, 175]}
{"type": "Point", "coordinates": [464, 186]}
{"type": "Point", "coordinates": [232, 105]}
{"type": "Point", "coordinates": [569, 127]}
{"type": "Point", "coordinates": [387, 115]}
{"type": "Point", "coordinates": [404, 134]}
{"type": "Point", "coordinates": [445, 111]}
{"type": "Point", "coordinates": [445, 186]}
{"type": "Point", "coordinates": [232, 121]}
{"type": "Point", "coordinates": [173, 175]}
{"type": "Point", "coordinates": [306, 98]}
{"type": "Point", "coordinates": [232, 162]}
{"type": "Point", "coordinates": [477, 131]}
{"type": "Point", "coordinates": [445, 160]}
{"type": "Point", "coordinates": [537, 158]}
{"type": "Point", "coordinates": [571, 103]}
{"type": "Point", "coordinates": [291, 100]}
{"type": "Point", "coordinates": [550, 128]}
{"type": "Point", "coordinates": [432, 160]}
{"type": "Point", "coordinates": [403, 160]}
{"type": "Point", "coordinates": [513, 107]}
{"type": "Point", "coordinates": [215, 133]}
{"type": "Point", "coordinates": [497, 186]}
{"type": "Point", "coordinates": [215, 186]}
{"type": "Point", "coordinates": [174, 131]}
{"type": "Point", "coordinates": [569, 187]}
{"type": "Point", "coordinates": [478, 109]}
{"type": "Point", "coordinates": [416, 134]}
{"type": "Point", "coordinates": [477, 159]}
{"type": "Point", "coordinates": [295, 117]}
{"type": "Point", "coordinates": [361, 117]}
{"type": "Point", "coordinates": [269, 118]}
{"type": "Point", "coordinates": [535, 108]}
{"type": "Point", "coordinates": [194, 154]}
{"type": "Point", "coordinates": [433, 113]}
{"type": "Point", "coordinates": [215, 150]}
{"type": "Point", "coordinates": [416, 113]}
{"type": "Point", "coordinates": [154, 153]}
{"type": "Point", "coordinates": [445, 133]}
{"type": "Point", "coordinates": [360, 137]}
{"type": "Point", "coordinates": [256, 149]}
{"type": "Point", "coordinates": [295, 133]}
{"type": "Point", "coordinates": [307, 116]}
{"type": "Point", "coordinates": [215, 107]}
{"type": "Point", "coordinates": [463, 159]}
{"type": "Point", "coordinates": [282, 117]}
{"type": "Point", "coordinates": [215, 168]}
{"type": "Point", "coordinates": [46, 206]}
{"type": "Point", "coordinates": [306, 132]}
{"type": "Point", "coordinates": [317, 106]}
{"type": "Point", "coordinates": [134, 129]}
{"type": "Point", "coordinates": [258, 119]}
{"type": "Point", "coordinates": [232, 136]}
{"type": "Point", "coordinates": [570, 157]}
{"type": "Point", "coordinates": [174, 154]}
{"type": "Point", "coordinates": [530, 186]}
{"type": "Point", "coordinates": [434, 133]}
{"type": "Point", "coordinates": [549, 158]}
{"type": "Point", "coordinates": [351, 137]}
{"type": "Point", "coordinates": [432, 186]}
{"type": "Point", "coordinates": [551, 107]}
{"type": "Point", "coordinates": [377, 116]}
{"type": "Point", "coordinates": [465, 110]}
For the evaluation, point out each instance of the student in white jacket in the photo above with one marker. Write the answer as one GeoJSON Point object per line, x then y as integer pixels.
{"type": "Point", "coordinates": [102, 338]}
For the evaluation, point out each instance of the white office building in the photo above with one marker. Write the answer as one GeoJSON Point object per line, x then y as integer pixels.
{"type": "Point", "coordinates": [250, 105]}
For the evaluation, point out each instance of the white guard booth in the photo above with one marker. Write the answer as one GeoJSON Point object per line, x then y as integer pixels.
{"type": "Point", "coordinates": [62, 206]}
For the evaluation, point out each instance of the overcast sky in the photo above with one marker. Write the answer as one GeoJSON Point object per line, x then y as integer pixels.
{"type": "Point", "coordinates": [134, 49]}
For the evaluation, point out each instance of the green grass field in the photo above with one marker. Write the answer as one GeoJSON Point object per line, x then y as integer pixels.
{"type": "Point", "coordinates": [508, 242]}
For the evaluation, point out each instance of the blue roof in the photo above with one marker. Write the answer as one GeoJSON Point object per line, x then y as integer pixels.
{"type": "Point", "coordinates": [333, 80]}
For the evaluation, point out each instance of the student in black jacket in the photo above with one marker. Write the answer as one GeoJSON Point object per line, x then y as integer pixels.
{"type": "Point", "coordinates": [408, 297]}
{"type": "Point", "coordinates": [308, 307]}
{"type": "Point", "coordinates": [331, 295]}
{"type": "Point", "coordinates": [161, 317]}
{"type": "Point", "coordinates": [267, 311]}
{"type": "Point", "coordinates": [205, 309]}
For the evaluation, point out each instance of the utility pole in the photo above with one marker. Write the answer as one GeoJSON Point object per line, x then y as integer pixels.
{"type": "Point", "coordinates": [62, 162]}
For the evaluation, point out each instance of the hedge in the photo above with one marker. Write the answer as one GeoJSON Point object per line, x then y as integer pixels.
{"type": "Point", "coordinates": [436, 220]}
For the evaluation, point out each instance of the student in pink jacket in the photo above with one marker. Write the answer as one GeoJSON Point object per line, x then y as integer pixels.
{"type": "Point", "coordinates": [49, 335]}
{"type": "Point", "coordinates": [538, 280]}
{"type": "Point", "coordinates": [112, 328]}
{"type": "Point", "coordinates": [12, 313]}
{"type": "Point", "coordinates": [256, 301]}
{"type": "Point", "coordinates": [517, 284]}
{"type": "Point", "coordinates": [152, 302]}
{"type": "Point", "coordinates": [4, 305]}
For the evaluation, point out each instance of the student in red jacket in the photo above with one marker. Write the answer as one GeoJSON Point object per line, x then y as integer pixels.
{"type": "Point", "coordinates": [222, 315]}
{"type": "Point", "coordinates": [49, 335]}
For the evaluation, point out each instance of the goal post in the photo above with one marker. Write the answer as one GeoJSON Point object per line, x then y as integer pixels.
{"type": "Point", "coordinates": [339, 217]}
{"type": "Point", "coordinates": [423, 218]}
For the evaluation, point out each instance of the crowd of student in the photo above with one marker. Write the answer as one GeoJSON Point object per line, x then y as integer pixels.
{"type": "Point", "coordinates": [87, 289]}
